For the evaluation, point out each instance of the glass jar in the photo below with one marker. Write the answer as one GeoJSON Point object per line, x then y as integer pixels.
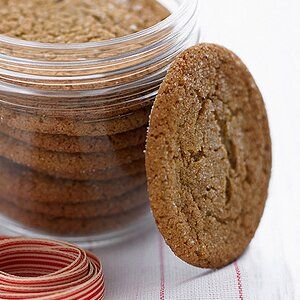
{"type": "Point", "coordinates": [73, 123]}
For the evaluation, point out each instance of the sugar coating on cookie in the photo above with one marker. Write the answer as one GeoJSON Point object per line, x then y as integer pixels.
{"type": "Point", "coordinates": [208, 157]}
{"type": "Point", "coordinates": [77, 21]}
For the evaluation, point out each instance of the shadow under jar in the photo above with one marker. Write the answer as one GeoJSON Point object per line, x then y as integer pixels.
{"type": "Point", "coordinates": [73, 123]}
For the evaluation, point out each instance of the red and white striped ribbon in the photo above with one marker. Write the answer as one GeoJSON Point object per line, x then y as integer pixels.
{"type": "Point", "coordinates": [46, 270]}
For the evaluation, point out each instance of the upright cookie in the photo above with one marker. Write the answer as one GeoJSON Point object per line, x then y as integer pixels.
{"type": "Point", "coordinates": [208, 157]}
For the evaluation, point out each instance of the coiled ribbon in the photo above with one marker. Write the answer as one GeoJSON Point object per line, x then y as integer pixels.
{"type": "Point", "coordinates": [46, 270]}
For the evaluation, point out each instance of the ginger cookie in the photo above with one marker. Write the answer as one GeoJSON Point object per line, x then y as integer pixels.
{"type": "Point", "coordinates": [71, 226]}
{"type": "Point", "coordinates": [121, 171]}
{"type": "Point", "coordinates": [208, 157]}
{"type": "Point", "coordinates": [77, 21]}
{"type": "Point", "coordinates": [78, 144]}
{"type": "Point", "coordinates": [66, 165]}
{"type": "Point", "coordinates": [67, 125]}
{"type": "Point", "coordinates": [92, 209]}
{"type": "Point", "coordinates": [16, 180]}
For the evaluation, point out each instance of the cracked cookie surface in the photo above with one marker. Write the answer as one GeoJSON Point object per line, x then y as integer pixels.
{"type": "Point", "coordinates": [208, 157]}
{"type": "Point", "coordinates": [77, 21]}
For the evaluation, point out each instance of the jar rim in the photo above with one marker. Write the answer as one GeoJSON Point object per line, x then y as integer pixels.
{"type": "Point", "coordinates": [98, 44]}
{"type": "Point", "coordinates": [106, 73]}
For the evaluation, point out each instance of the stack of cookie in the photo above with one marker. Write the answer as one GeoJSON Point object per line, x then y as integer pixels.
{"type": "Point", "coordinates": [73, 128]}
{"type": "Point", "coordinates": [72, 176]}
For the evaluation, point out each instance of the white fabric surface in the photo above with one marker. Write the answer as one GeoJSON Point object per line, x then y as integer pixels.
{"type": "Point", "coordinates": [145, 268]}
{"type": "Point", "coordinates": [266, 35]}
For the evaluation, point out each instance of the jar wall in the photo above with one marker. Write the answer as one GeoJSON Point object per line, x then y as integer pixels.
{"type": "Point", "coordinates": [72, 147]}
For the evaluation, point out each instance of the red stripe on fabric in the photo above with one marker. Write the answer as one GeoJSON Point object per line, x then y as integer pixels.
{"type": "Point", "coordinates": [162, 269]}
{"type": "Point", "coordinates": [239, 280]}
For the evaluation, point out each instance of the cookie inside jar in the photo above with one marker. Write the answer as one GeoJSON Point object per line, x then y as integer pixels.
{"type": "Point", "coordinates": [76, 91]}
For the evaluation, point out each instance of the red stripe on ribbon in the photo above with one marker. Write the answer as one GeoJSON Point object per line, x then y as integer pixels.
{"type": "Point", "coordinates": [48, 270]}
